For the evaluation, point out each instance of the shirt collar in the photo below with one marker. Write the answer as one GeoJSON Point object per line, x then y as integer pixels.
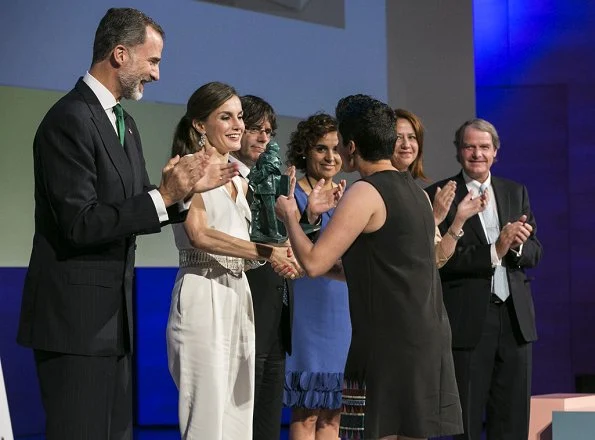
{"type": "Point", "coordinates": [105, 97]}
{"type": "Point", "coordinates": [242, 168]}
{"type": "Point", "coordinates": [472, 183]}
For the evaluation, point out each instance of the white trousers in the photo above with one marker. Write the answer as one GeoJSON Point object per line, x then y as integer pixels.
{"type": "Point", "coordinates": [211, 349]}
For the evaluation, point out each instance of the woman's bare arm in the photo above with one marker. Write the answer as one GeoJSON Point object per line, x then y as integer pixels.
{"type": "Point", "coordinates": [361, 209]}
{"type": "Point", "coordinates": [216, 242]}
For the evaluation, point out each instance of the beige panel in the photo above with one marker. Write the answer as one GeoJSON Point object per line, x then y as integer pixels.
{"type": "Point", "coordinates": [431, 71]}
{"type": "Point", "coordinates": [20, 113]}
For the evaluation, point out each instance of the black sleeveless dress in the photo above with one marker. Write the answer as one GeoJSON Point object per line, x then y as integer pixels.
{"type": "Point", "coordinates": [399, 377]}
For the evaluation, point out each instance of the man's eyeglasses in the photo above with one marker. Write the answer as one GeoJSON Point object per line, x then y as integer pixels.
{"type": "Point", "coordinates": [258, 130]}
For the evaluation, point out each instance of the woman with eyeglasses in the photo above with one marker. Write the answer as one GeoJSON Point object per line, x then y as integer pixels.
{"type": "Point", "coordinates": [321, 328]}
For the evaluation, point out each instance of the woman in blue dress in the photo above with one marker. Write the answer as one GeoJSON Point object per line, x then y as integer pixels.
{"type": "Point", "coordinates": [321, 330]}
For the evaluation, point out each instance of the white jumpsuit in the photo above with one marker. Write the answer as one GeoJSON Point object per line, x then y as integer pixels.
{"type": "Point", "coordinates": [210, 330]}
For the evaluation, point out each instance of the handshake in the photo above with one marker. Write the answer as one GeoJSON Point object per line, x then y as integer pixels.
{"type": "Point", "coordinates": [283, 261]}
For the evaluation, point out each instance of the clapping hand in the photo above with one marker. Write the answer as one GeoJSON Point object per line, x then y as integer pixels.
{"type": "Point", "coordinates": [471, 205]}
{"type": "Point", "coordinates": [523, 233]}
{"type": "Point", "coordinates": [513, 235]}
{"type": "Point", "coordinates": [212, 174]}
{"type": "Point", "coordinates": [442, 201]}
{"type": "Point", "coordinates": [178, 178]}
{"type": "Point", "coordinates": [183, 176]}
{"type": "Point", "coordinates": [322, 200]}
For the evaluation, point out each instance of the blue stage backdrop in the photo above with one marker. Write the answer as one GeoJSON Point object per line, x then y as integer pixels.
{"type": "Point", "coordinates": [156, 393]}
{"type": "Point", "coordinates": [535, 79]}
{"type": "Point", "coordinates": [17, 362]}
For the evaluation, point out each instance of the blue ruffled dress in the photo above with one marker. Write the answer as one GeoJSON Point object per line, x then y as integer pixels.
{"type": "Point", "coordinates": [321, 335]}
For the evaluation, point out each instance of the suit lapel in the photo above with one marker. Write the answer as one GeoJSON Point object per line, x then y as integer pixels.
{"type": "Point", "coordinates": [502, 201]}
{"type": "Point", "coordinates": [109, 137]}
{"type": "Point", "coordinates": [474, 223]}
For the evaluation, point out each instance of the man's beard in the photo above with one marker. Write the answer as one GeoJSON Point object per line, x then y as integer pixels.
{"type": "Point", "coordinates": [130, 84]}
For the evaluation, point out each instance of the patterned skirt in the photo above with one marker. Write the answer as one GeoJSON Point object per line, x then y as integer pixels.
{"type": "Point", "coordinates": [353, 410]}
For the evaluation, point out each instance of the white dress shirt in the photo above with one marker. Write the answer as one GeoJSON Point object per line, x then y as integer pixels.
{"type": "Point", "coordinates": [474, 187]}
{"type": "Point", "coordinates": [242, 168]}
{"type": "Point", "coordinates": [108, 101]}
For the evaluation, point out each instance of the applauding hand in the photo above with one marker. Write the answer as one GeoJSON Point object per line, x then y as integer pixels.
{"type": "Point", "coordinates": [322, 200]}
{"type": "Point", "coordinates": [212, 174]}
{"type": "Point", "coordinates": [442, 201]}
{"type": "Point", "coordinates": [471, 205]}
{"type": "Point", "coordinates": [513, 235]}
{"type": "Point", "coordinates": [194, 173]}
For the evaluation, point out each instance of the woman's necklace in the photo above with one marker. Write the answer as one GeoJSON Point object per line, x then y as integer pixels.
{"type": "Point", "coordinates": [310, 183]}
{"type": "Point", "coordinates": [312, 188]}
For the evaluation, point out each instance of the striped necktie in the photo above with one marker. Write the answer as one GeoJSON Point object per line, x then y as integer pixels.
{"type": "Point", "coordinates": [492, 227]}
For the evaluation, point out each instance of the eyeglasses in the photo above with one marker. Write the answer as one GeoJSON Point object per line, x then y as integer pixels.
{"type": "Point", "coordinates": [259, 130]}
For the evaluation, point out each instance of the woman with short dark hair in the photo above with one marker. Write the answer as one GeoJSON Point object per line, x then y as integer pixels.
{"type": "Point", "coordinates": [399, 376]}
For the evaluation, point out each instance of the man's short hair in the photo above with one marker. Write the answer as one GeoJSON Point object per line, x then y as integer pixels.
{"type": "Point", "coordinates": [255, 110]}
{"type": "Point", "coordinates": [478, 124]}
{"type": "Point", "coordinates": [125, 26]}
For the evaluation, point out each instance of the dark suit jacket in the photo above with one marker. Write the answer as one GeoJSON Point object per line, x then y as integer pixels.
{"type": "Point", "coordinates": [466, 277]}
{"type": "Point", "coordinates": [90, 201]}
{"type": "Point", "coordinates": [272, 319]}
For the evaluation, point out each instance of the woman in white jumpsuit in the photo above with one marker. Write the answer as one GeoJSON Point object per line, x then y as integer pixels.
{"type": "Point", "coordinates": [210, 331]}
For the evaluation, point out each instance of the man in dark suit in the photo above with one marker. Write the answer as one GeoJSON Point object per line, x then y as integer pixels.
{"type": "Point", "coordinates": [271, 294]}
{"type": "Point", "coordinates": [487, 293]}
{"type": "Point", "coordinates": [92, 197]}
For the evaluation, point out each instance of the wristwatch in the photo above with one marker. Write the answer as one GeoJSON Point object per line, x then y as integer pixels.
{"type": "Point", "coordinates": [455, 236]}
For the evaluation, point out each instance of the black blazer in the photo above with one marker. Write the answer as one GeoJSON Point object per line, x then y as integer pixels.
{"type": "Point", "coordinates": [91, 200]}
{"type": "Point", "coordinates": [272, 319]}
{"type": "Point", "coordinates": [466, 277]}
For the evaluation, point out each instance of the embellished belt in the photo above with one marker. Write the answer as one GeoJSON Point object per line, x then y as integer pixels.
{"type": "Point", "coordinates": [205, 260]}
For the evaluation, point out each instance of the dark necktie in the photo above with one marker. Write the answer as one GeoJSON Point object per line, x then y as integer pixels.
{"type": "Point", "coordinates": [120, 122]}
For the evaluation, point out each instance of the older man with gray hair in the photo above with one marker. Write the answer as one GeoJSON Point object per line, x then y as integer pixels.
{"type": "Point", "coordinates": [487, 293]}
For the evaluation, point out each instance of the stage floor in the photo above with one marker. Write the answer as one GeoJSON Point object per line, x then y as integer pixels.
{"type": "Point", "coordinates": [167, 433]}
